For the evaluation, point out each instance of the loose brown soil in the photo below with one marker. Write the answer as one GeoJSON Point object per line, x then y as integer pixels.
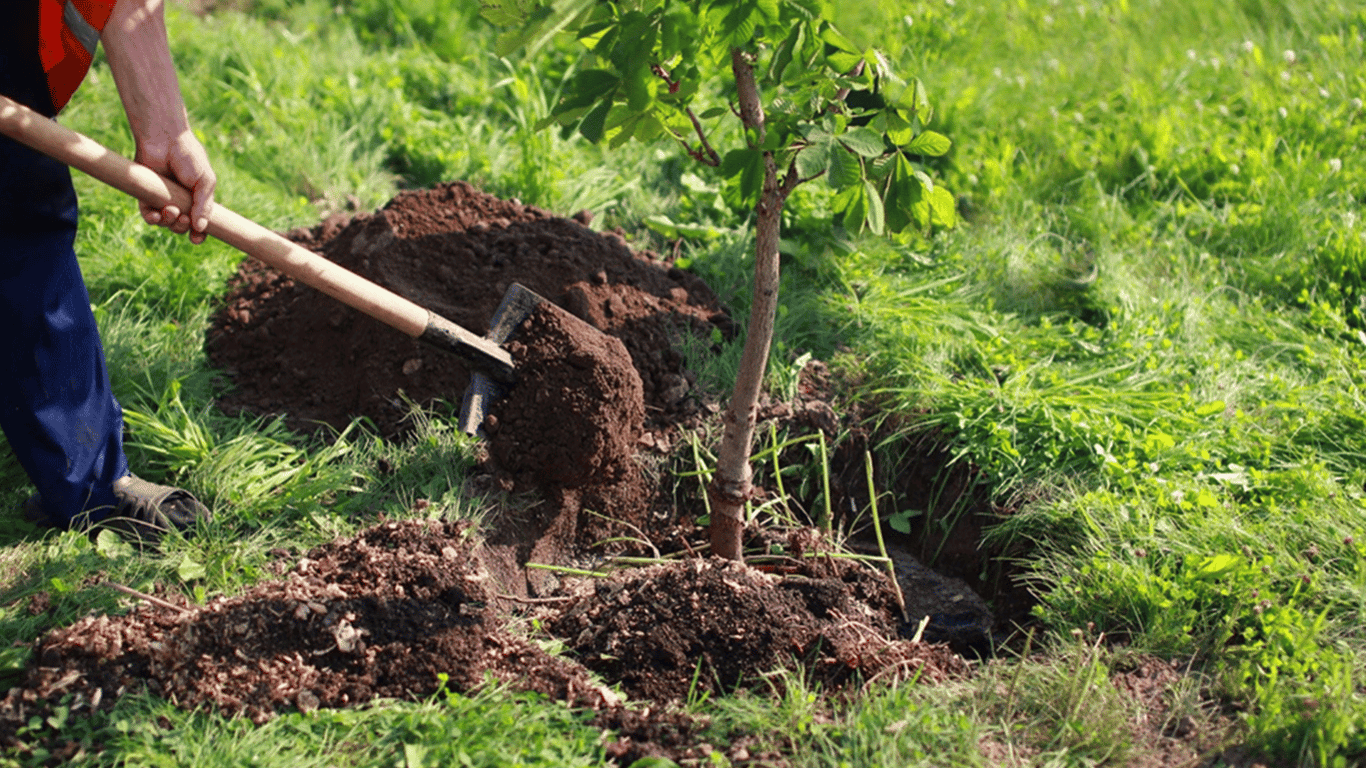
{"type": "Point", "coordinates": [603, 393]}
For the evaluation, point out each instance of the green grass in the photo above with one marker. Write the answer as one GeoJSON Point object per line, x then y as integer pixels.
{"type": "Point", "coordinates": [1150, 325]}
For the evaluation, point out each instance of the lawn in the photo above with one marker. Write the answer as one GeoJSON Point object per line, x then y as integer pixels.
{"type": "Point", "coordinates": [1142, 346]}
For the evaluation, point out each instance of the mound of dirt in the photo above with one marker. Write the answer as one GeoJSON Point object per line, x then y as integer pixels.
{"type": "Point", "coordinates": [568, 429]}
{"type": "Point", "coordinates": [454, 250]}
{"type": "Point", "coordinates": [392, 611]}
{"type": "Point", "coordinates": [380, 615]}
{"type": "Point", "coordinates": [670, 631]}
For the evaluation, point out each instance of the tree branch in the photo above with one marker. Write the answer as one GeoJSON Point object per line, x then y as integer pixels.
{"type": "Point", "coordinates": [704, 153]}
{"type": "Point", "coordinates": [791, 180]}
{"type": "Point", "coordinates": [843, 93]}
{"type": "Point", "coordinates": [711, 158]}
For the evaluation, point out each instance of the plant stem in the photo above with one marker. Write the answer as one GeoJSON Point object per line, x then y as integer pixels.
{"type": "Point", "coordinates": [730, 487]}
{"type": "Point", "coordinates": [877, 529]}
{"type": "Point", "coordinates": [827, 515]}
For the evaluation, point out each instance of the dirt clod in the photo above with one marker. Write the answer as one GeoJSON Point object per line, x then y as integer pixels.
{"type": "Point", "coordinates": [577, 410]}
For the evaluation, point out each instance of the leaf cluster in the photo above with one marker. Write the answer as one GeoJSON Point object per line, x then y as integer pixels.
{"type": "Point", "coordinates": [832, 110]}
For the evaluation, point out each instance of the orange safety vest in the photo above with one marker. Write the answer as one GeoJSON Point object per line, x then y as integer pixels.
{"type": "Point", "coordinates": [68, 33]}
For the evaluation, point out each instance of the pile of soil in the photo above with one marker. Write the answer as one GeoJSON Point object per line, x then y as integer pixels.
{"type": "Point", "coordinates": [598, 365]}
{"type": "Point", "coordinates": [376, 616]}
{"type": "Point", "coordinates": [709, 626]}
{"type": "Point", "coordinates": [291, 351]}
{"type": "Point", "coordinates": [577, 411]}
{"type": "Point", "coordinates": [390, 611]}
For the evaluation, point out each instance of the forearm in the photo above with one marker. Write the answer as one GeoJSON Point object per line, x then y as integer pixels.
{"type": "Point", "coordinates": [139, 58]}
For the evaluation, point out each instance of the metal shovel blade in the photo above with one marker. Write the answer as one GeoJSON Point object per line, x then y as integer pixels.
{"type": "Point", "coordinates": [517, 305]}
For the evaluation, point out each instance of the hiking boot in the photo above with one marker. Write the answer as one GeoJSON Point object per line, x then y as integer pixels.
{"type": "Point", "coordinates": [143, 511]}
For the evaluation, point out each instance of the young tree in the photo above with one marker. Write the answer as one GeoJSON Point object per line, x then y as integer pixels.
{"type": "Point", "coordinates": [646, 77]}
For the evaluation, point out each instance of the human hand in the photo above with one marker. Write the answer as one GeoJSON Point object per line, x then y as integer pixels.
{"type": "Point", "coordinates": [182, 158]}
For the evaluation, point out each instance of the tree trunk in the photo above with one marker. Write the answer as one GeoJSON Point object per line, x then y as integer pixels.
{"type": "Point", "coordinates": [730, 487]}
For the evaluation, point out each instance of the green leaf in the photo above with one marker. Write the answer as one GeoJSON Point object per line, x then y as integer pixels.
{"type": "Point", "coordinates": [748, 165]}
{"type": "Point", "coordinates": [843, 62]}
{"type": "Point", "coordinates": [943, 208]}
{"type": "Point", "coordinates": [898, 126]}
{"type": "Point", "coordinates": [637, 82]}
{"type": "Point", "coordinates": [414, 755]}
{"type": "Point", "coordinates": [650, 128]}
{"type": "Point", "coordinates": [864, 141]}
{"type": "Point", "coordinates": [1216, 566]}
{"type": "Point", "coordinates": [836, 38]}
{"type": "Point", "coordinates": [855, 201]}
{"type": "Point", "coordinates": [586, 89]}
{"type": "Point", "coordinates": [191, 569]}
{"type": "Point", "coordinates": [844, 169]}
{"type": "Point", "coordinates": [925, 180]}
{"type": "Point", "coordinates": [907, 201]}
{"type": "Point", "coordinates": [507, 13]}
{"type": "Point", "coordinates": [552, 119]}
{"type": "Point", "coordinates": [813, 159]}
{"type": "Point", "coordinates": [635, 43]}
{"type": "Point", "coordinates": [782, 56]}
{"type": "Point", "coordinates": [752, 182]}
{"type": "Point", "coordinates": [901, 521]}
{"type": "Point", "coordinates": [930, 144]}
{"type": "Point", "coordinates": [672, 230]}
{"type": "Point", "coordinates": [910, 96]}
{"type": "Point", "coordinates": [595, 122]}
{"type": "Point", "coordinates": [923, 110]}
{"type": "Point", "coordinates": [669, 36]}
{"type": "Point", "coordinates": [735, 161]}
{"type": "Point", "coordinates": [1210, 408]}
{"type": "Point", "coordinates": [627, 130]}
{"type": "Point", "coordinates": [737, 28]}
{"type": "Point", "coordinates": [875, 216]}
{"type": "Point", "coordinates": [112, 545]}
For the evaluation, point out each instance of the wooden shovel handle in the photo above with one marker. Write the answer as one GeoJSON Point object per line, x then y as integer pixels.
{"type": "Point", "coordinates": [85, 154]}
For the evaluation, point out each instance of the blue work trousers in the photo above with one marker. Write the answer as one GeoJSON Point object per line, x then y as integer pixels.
{"type": "Point", "coordinates": [56, 406]}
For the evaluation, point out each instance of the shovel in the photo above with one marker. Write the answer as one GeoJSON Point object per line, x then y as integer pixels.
{"type": "Point", "coordinates": [491, 364]}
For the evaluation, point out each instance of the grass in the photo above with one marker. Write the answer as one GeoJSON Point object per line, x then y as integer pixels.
{"type": "Point", "coordinates": [1151, 320]}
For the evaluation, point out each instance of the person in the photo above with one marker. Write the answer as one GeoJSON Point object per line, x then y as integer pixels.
{"type": "Point", "coordinates": [57, 408]}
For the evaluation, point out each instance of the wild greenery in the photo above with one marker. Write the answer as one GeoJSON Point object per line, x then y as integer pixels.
{"type": "Point", "coordinates": [1147, 335]}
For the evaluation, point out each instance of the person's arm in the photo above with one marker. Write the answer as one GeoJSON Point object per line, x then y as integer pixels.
{"type": "Point", "coordinates": [139, 57]}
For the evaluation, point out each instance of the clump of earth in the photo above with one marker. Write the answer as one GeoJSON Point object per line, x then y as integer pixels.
{"type": "Point", "coordinates": [601, 383]}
